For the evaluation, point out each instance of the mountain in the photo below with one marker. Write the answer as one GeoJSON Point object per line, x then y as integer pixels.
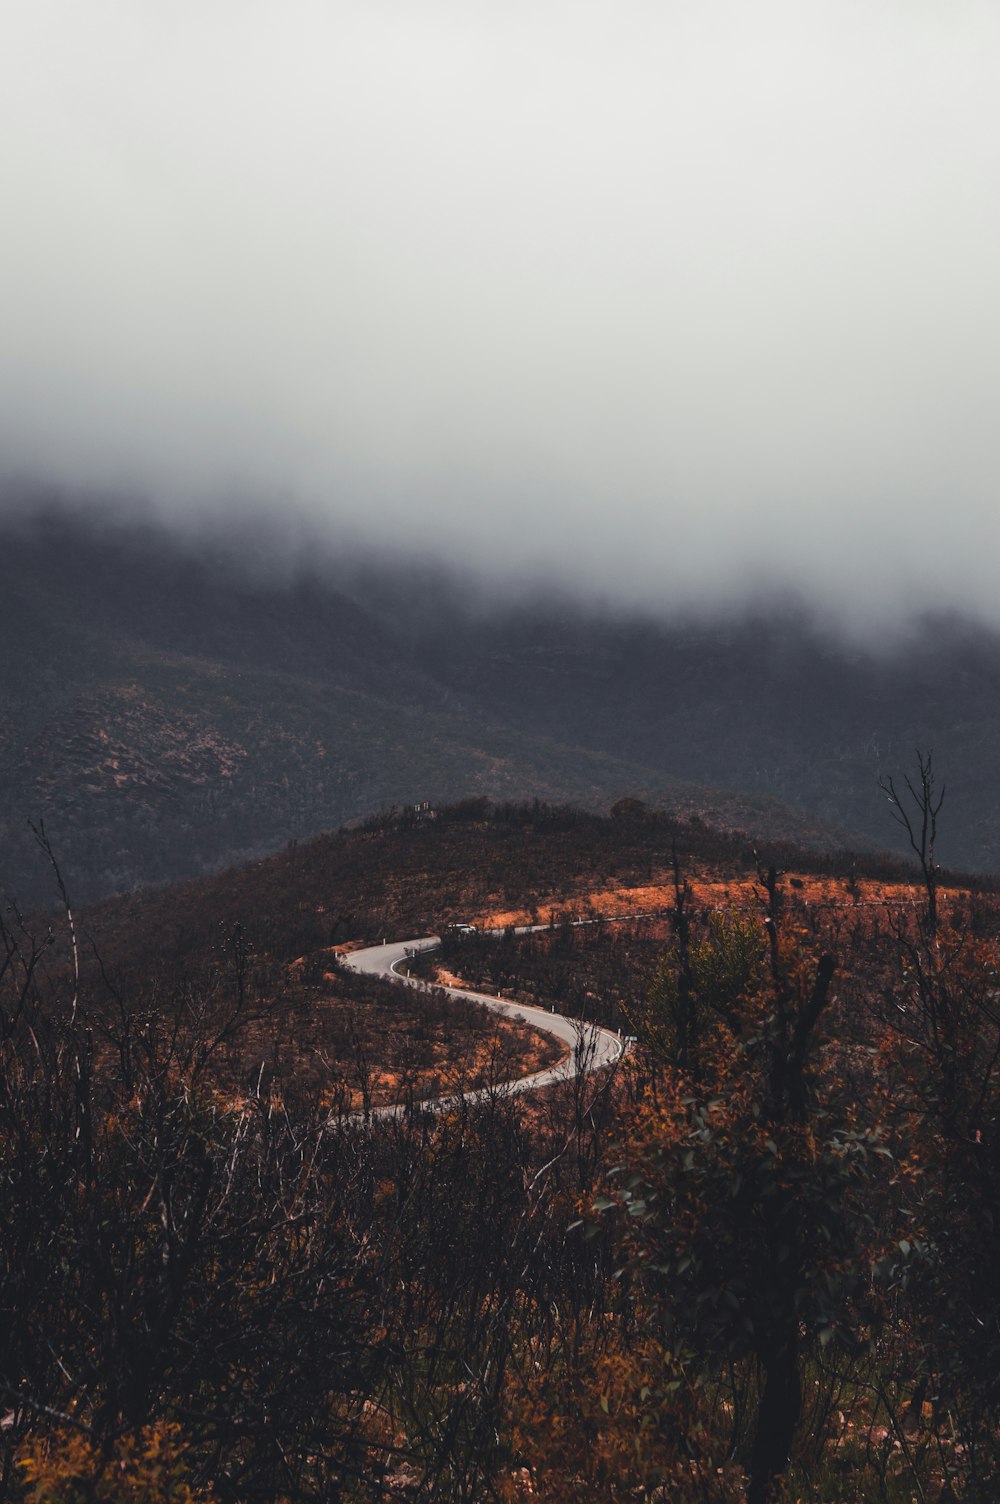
{"type": "Point", "coordinates": [766, 703]}
{"type": "Point", "coordinates": [168, 710]}
{"type": "Point", "coordinates": [171, 707]}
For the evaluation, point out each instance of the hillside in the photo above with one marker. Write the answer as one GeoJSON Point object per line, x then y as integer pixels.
{"type": "Point", "coordinates": [171, 709]}
{"type": "Point", "coordinates": [168, 711]}
{"type": "Point", "coordinates": [765, 702]}
{"type": "Point", "coordinates": [400, 877]}
{"type": "Point", "coordinates": [289, 1290]}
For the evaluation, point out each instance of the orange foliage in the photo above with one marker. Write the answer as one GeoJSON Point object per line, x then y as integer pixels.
{"type": "Point", "coordinates": [617, 1421]}
{"type": "Point", "coordinates": [147, 1467]}
{"type": "Point", "coordinates": [657, 897]}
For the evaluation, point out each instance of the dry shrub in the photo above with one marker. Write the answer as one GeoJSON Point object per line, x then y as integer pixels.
{"type": "Point", "coordinates": [148, 1466]}
{"type": "Point", "coordinates": [617, 1421]}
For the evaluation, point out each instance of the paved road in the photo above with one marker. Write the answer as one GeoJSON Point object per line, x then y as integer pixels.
{"type": "Point", "coordinates": [590, 1048]}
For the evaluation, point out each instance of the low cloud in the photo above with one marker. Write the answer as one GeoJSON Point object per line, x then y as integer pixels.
{"type": "Point", "coordinates": [671, 303]}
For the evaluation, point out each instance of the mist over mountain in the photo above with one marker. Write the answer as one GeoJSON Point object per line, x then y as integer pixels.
{"type": "Point", "coordinates": [684, 305]}
{"type": "Point", "coordinates": [558, 400]}
{"type": "Point", "coordinates": [170, 708]}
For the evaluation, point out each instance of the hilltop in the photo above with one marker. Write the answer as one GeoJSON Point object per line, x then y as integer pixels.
{"type": "Point", "coordinates": [400, 876]}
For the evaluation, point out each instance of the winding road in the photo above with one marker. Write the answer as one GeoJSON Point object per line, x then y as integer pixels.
{"type": "Point", "coordinates": [590, 1048]}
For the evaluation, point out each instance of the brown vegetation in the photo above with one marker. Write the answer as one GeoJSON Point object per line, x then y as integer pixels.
{"type": "Point", "coordinates": [361, 1044]}
{"type": "Point", "coordinates": [401, 876]}
{"type": "Point", "coordinates": [756, 1264]}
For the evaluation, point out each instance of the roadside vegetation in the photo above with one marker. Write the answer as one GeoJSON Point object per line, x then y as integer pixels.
{"type": "Point", "coordinates": [361, 1042]}
{"type": "Point", "coordinates": [402, 874]}
{"type": "Point", "coordinates": [757, 1263]}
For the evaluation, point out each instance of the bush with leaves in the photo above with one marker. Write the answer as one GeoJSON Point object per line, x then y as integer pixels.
{"type": "Point", "coordinates": [941, 1056]}
{"type": "Point", "coordinates": [743, 1178]}
{"type": "Point", "coordinates": [617, 1417]}
{"type": "Point", "coordinates": [64, 1466]}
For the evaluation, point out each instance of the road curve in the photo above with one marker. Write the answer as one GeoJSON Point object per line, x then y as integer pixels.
{"type": "Point", "coordinates": [590, 1047]}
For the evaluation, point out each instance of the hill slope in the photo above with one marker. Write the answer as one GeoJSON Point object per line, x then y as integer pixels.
{"type": "Point", "coordinates": [169, 709]}
{"type": "Point", "coordinates": [168, 712]}
{"type": "Point", "coordinates": [766, 703]}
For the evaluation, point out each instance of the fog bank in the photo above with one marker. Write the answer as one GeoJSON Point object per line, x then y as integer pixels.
{"type": "Point", "coordinates": [670, 303]}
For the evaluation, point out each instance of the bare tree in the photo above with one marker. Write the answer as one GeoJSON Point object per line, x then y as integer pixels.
{"type": "Point", "coordinates": [915, 808]}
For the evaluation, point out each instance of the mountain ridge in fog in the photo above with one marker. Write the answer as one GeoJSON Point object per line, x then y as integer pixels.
{"type": "Point", "coordinates": [172, 707]}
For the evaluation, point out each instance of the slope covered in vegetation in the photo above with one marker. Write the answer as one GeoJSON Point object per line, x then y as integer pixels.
{"type": "Point", "coordinates": [403, 874]}
{"type": "Point", "coordinates": [170, 709]}
{"type": "Point", "coordinates": [175, 706]}
{"type": "Point", "coordinates": [756, 1263]}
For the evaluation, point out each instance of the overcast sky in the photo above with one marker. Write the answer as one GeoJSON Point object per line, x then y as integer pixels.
{"type": "Point", "coordinates": [672, 299]}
